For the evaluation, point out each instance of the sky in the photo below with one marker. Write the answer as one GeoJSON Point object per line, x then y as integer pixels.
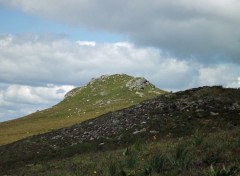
{"type": "Point", "coordinates": [49, 47]}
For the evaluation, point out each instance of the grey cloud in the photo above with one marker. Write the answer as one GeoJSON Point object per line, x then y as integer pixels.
{"type": "Point", "coordinates": [205, 30]}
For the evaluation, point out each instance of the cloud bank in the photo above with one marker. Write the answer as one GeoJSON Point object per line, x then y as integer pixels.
{"type": "Point", "coordinates": [35, 73]}
{"type": "Point", "coordinates": [204, 30]}
{"type": "Point", "coordinates": [37, 62]}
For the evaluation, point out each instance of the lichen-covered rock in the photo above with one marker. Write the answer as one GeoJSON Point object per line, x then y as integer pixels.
{"type": "Point", "coordinates": [137, 83]}
{"type": "Point", "coordinates": [101, 78]}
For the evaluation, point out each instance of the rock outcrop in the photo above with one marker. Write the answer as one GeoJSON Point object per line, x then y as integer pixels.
{"type": "Point", "coordinates": [134, 84]}
{"type": "Point", "coordinates": [138, 83]}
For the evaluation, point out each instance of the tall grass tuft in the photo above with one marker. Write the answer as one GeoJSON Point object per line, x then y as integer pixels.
{"type": "Point", "coordinates": [112, 168]}
{"type": "Point", "coordinates": [158, 162]}
{"type": "Point", "coordinates": [183, 158]}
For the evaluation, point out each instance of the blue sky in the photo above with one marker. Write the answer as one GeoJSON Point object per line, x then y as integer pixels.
{"type": "Point", "coordinates": [14, 21]}
{"type": "Point", "coordinates": [49, 47]}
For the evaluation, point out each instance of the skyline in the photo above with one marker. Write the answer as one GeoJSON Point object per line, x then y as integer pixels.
{"type": "Point", "coordinates": [48, 48]}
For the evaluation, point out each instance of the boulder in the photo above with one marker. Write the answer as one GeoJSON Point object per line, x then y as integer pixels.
{"type": "Point", "coordinates": [137, 84]}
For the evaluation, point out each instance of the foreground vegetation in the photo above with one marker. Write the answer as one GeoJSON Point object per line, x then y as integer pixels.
{"type": "Point", "coordinates": [213, 154]}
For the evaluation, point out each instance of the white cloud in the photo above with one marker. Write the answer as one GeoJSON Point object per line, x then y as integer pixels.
{"type": "Point", "coordinates": [235, 83]}
{"type": "Point", "coordinates": [17, 100]}
{"type": "Point", "coordinates": [5, 41]}
{"type": "Point", "coordinates": [61, 62]}
{"type": "Point", "coordinates": [35, 95]}
{"type": "Point", "coordinates": [86, 43]}
{"type": "Point", "coordinates": [218, 75]}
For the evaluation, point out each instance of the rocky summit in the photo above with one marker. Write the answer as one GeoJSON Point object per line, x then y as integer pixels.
{"type": "Point", "coordinates": [168, 116]}
{"type": "Point", "coordinates": [132, 83]}
{"type": "Point", "coordinates": [99, 96]}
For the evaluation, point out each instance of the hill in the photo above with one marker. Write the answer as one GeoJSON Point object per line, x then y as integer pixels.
{"type": "Point", "coordinates": [193, 132]}
{"type": "Point", "coordinates": [99, 96]}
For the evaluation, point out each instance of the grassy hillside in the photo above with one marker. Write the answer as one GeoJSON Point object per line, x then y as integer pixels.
{"type": "Point", "coordinates": [107, 93]}
{"type": "Point", "coordinates": [193, 132]}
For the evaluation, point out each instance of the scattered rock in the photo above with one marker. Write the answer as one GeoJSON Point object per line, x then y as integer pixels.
{"type": "Point", "coordinates": [140, 94]}
{"type": "Point", "coordinates": [30, 165]}
{"type": "Point", "coordinates": [152, 114]}
{"type": "Point", "coordinates": [140, 131]}
{"type": "Point", "coordinates": [153, 132]}
{"type": "Point", "coordinates": [137, 84]}
{"type": "Point", "coordinates": [214, 113]}
{"type": "Point", "coordinates": [103, 93]}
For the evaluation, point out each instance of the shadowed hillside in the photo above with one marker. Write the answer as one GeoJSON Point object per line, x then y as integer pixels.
{"type": "Point", "coordinates": [193, 132]}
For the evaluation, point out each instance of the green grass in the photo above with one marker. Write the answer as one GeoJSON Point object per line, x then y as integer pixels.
{"type": "Point", "coordinates": [92, 101]}
{"type": "Point", "coordinates": [167, 156]}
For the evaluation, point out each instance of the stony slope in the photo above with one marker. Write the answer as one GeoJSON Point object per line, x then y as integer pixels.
{"type": "Point", "coordinates": [207, 109]}
{"type": "Point", "coordinates": [99, 96]}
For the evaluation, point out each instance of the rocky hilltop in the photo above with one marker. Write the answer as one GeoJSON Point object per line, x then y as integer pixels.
{"type": "Point", "coordinates": [132, 83]}
{"type": "Point", "coordinates": [171, 115]}
{"type": "Point", "coordinates": [99, 96]}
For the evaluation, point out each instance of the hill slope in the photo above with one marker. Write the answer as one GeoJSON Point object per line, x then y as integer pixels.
{"type": "Point", "coordinates": [185, 133]}
{"type": "Point", "coordinates": [107, 93]}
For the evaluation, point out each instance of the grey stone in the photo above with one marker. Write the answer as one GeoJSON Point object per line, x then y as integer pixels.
{"type": "Point", "coordinates": [153, 132]}
{"type": "Point", "coordinates": [137, 84]}
{"type": "Point", "coordinates": [214, 113]}
{"type": "Point", "coordinates": [140, 131]}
